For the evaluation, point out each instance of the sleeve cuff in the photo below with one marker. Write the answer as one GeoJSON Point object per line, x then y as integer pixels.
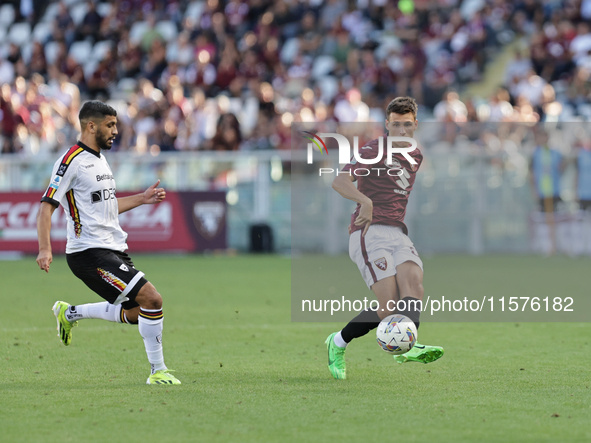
{"type": "Point", "coordinates": [50, 201]}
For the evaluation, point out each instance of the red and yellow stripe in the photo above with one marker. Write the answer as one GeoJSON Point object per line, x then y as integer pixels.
{"type": "Point", "coordinates": [50, 192]}
{"type": "Point", "coordinates": [151, 315]}
{"type": "Point", "coordinates": [73, 152]}
{"type": "Point", "coordinates": [66, 160]}
{"type": "Point", "coordinates": [74, 213]}
{"type": "Point", "coordinates": [111, 279]}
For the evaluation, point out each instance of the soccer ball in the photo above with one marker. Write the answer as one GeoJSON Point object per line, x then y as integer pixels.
{"type": "Point", "coordinates": [396, 334]}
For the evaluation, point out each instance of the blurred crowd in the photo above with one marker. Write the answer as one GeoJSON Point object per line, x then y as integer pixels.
{"type": "Point", "coordinates": [234, 74]}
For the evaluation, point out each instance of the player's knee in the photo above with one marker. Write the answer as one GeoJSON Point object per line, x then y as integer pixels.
{"type": "Point", "coordinates": [148, 297]}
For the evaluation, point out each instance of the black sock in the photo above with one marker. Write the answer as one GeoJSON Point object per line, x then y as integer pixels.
{"type": "Point", "coordinates": [360, 325]}
{"type": "Point", "coordinates": [412, 310]}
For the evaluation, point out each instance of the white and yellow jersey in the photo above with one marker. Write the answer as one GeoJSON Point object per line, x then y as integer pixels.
{"type": "Point", "coordinates": [82, 182]}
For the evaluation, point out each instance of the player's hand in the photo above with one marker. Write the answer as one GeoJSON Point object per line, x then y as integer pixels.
{"type": "Point", "coordinates": [154, 194]}
{"type": "Point", "coordinates": [44, 259]}
{"type": "Point", "coordinates": [365, 216]}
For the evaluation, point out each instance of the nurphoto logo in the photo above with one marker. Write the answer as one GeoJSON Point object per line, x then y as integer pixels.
{"type": "Point", "coordinates": [345, 157]}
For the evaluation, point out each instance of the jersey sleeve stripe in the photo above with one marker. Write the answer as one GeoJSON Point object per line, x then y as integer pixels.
{"type": "Point", "coordinates": [74, 212]}
{"type": "Point", "coordinates": [50, 193]}
{"type": "Point", "coordinates": [73, 152]}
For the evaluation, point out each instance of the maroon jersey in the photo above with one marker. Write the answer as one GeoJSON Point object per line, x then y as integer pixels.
{"type": "Point", "coordinates": [388, 191]}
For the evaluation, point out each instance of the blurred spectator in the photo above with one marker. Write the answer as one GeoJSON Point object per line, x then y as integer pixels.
{"type": "Point", "coordinates": [91, 23]}
{"type": "Point", "coordinates": [264, 60]}
{"type": "Point", "coordinates": [63, 25]}
{"type": "Point", "coordinates": [151, 36]}
{"type": "Point", "coordinates": [451, 107]}
{"type": "Point", "coordinates": [227, 136]}
{"type": "Point", "coordinates": [583, 175]}
{"type": "Point", "coordinates": [6, 72]}
{"type": "Point", "coordinates": [546, 168]}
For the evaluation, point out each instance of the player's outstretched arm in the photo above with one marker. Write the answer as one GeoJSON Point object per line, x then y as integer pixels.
{"type": "Point", "coordinates": [150, 196]}
{"type": "Point", "coordinates": [45, 256]}
{"type": "Point", "coordinates": [343, 184]}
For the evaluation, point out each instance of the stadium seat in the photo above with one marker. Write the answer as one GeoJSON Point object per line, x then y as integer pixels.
{"type": "Point", "coordinates": [289, 50]}
{"type": "Point", "coordinates": [195, 10]}
{"type": "Point", "coordinates": [51, 12]}
{"type": "Point", "coordinates": [100, 49]}
{"type": "Point", "coordinates": [51, 50]}
{"type": "Point", "coordinates": [323, 64]}
{"type": "Point", "coordinates": [19, 33]}
{"type": "Point", "coordinates": [585, 110]}
{"type": "Point", "coordinates": [104, 9]}
{"type": "Point", "coordinates": [249, 114]}
{"type": "Point", "coordinates": [471, 7]}
{"type": "Point", "coordinates": [137, 31]}
{"type": "Point", "coordinates": [4, 48]}
{"type": "Point", "coordinates": [172, 52]}
{"type": "Point", "coordinates": [167, 29]}
{"type": "Point", "coordinates": [26, 51]}
{"type": "Point", "coordinates": [388, 43]}
{"type": "Point", "coordinates": [127, 84]}
{"type": "Point", "coordinates": [89, 67]}
{"type": "Point", "coordinates": [6, 14]}
{"type": "Point", "coordinates": [329, 86]}
{"type": "Point", "coordinates": [78, 12]}
{"type": "Point", "coordinates": [42, 31]}
{"type": "Point", "coordinates": [80, 51]}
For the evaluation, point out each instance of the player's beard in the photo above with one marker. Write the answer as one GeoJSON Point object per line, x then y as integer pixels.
{"type": "Point", "coordinates": [101, 140]}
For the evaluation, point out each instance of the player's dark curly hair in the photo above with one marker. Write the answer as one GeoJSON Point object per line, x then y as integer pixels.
{"type": "Point", "coordinates": [401, 106]}
{"type": "Point", "coordinates": [95, 109]}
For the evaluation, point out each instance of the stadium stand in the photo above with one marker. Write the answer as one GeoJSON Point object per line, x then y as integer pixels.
{"type": "Point", "coordinates": [177, 70]}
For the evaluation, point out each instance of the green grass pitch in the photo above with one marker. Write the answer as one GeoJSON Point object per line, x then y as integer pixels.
{"type": "Point", "coordinates": [250, 375]}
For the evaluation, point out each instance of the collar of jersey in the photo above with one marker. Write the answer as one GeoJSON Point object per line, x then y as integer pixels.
{"type": "Point", "coordinates": [86, 148]}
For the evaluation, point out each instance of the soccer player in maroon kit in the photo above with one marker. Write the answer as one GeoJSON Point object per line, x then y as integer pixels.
{"type": "Point", "coordinates": [378, 241]}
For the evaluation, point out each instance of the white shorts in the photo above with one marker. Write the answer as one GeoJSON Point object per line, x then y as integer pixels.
{"type": "Point", "coordinates": [380, 251]}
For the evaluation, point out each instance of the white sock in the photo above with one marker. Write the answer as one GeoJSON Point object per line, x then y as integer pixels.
{"type": "Point", "coordinates": [150, 327]}
{"type": "Point", "coordinates": [338, 340]}
{"type": "Point", "coordinates": [103, 311]}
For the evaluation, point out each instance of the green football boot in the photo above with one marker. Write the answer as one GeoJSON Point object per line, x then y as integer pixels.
{"type": "Point", "coordinates": [64, 327]}
{"type": "Point", "coordinates": [336, 358]}
{"type": "Point", "coordinates": [163, 378]}
{"type": "Point", "coordinates": [421, 354]}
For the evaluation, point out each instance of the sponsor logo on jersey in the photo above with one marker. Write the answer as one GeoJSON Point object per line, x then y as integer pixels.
{"type": "Point", "coordinates": [381, 263]}
{"type": "Point", "coordinates": [103, 195]}
{"type": "Point", "coordinates": [401, 191]}
{"type": "Point", "coordinates": [88, 166]}
{"type": "Point", "coordinates": [124, 268]}
{"type": "Point", "coordinates": [104, 177]}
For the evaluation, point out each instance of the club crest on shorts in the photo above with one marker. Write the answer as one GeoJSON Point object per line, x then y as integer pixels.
{"type": "Point", "coordinates": [124, 268]}
{"type": "Point", "coordinates": [381, 263]}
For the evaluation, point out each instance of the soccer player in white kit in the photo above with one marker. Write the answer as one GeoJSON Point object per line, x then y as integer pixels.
{"type": "Point", "coordinates": [378, 242]}
{"type": "Point", "coordinates": [83, 184]}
